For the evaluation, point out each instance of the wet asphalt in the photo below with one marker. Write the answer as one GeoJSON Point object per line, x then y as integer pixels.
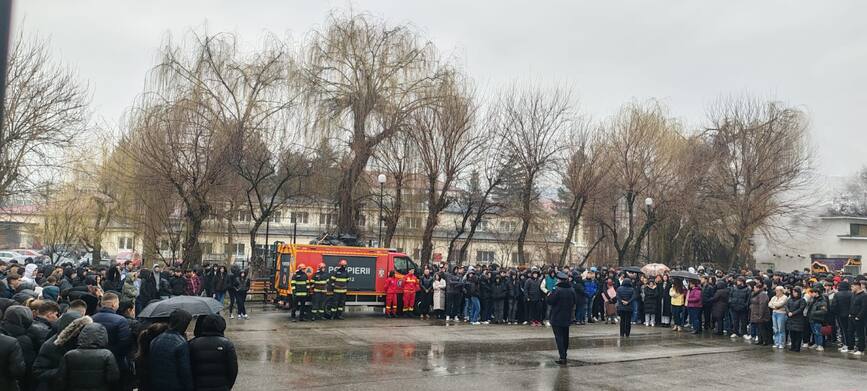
{"type": "Point", "coordinates": [368, 352]}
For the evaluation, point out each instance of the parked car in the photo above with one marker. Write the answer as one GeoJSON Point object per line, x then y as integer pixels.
{"type": "Point", "coordinates": [127, 255]}
{"type": "Point", "coordinates": [8, 256]}
{"type": "Point", "coordinates": [30, 255]}
{"type": "Point", "coordinates": [88, 259]}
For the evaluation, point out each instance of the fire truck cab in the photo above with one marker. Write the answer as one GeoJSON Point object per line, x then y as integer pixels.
{"type": "Point", "coordinates": [368, 269]}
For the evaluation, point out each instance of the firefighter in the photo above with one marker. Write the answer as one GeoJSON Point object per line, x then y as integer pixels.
{"type": "Point", "coordinates": [320, 290]}
{"type": "Point", "coordinates": [410, 286]}
{"type": "Point", "coordinates": [299, 292]}
{"type": "Point", "coordinates": [392, 285]}
{"type": "Point", "coordinates": [340, 279]}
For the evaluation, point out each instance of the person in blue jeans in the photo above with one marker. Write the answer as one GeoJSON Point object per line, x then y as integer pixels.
{"type": "Point", "coordinates": [817, 311]}
{"type": "Point", "coordinates": [471, 292]}
{"type": "Point", "coordinates": [591, 287]}
{"type": "Point", "coordinates": [778, 315]}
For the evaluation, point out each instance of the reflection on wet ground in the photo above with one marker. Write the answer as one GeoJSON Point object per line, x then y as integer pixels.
{"type": "Point", "coordinates": [368, 352]}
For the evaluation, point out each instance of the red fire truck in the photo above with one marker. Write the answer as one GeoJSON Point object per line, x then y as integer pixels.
{"type": "Point", "coordinates": [368, 268]}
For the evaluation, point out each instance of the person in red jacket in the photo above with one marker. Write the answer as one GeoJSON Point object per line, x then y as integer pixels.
{"type": "Point", "coordinates": [410, 286]}
{"type": "Point", "coordinates": [392, 288]}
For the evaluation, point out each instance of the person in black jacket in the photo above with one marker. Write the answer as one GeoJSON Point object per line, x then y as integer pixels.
{"type": "Point", "coordinates": [499, 288]}
{"type": "Point", "coordinates": [651, 302]}
{"type": "Point", "coordinates": [533, 295]}
{"type": "Point", "coordinates": [858, 318]}
{"type": "Point", "coordinates": [840, 308]}
{"type": "Point", "coordinates": [214, 362]}
{"type": "Point", "coordinates": [47, 364]}
{"type": "Point", "coordinates": [169, 356]}
{"type": "Point", "coordinates": [16, 320]}
{"type": "Point", "coordinates": [241, 294]}
{"type": "Point", "coordinates": [12, 365]}
{"type": "Point", "coordinates": [577, 284]}
{"type": "Point", "coordinates": [739, 302]}
{"type": "Point", "coordinates": [90, 367]}
{"type": "Point", "coordinates": [177, 283]}
{"type": "Point", "coordinates": [485, 299]}
{"type": "Point", "coordinates": [514, 297]}
{"type": "Point", "coordinates": [817, 310]}
{"type": "Point", "coordinates": [796, 324]}
{"type": "Point", "coordinates": [471, 292]}
{"type": "Point", "coordinates": [625, 297]}
{"type": "Point", "coordinates": [562, 302]}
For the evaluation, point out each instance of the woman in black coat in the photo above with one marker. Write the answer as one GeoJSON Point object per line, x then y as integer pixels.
{"type": "Point", "coordinates": [213, 358]}
{"type": "Point", "coordinates": [796, 323]}
{"type": "Point", "coordinates": [665, 284]}
{"type": "Point", "coordinates": [719, 306]}
{"type": "Point", "coordinates": [91, 367]}
{"type": "Point", "coordinates": [562, 301]}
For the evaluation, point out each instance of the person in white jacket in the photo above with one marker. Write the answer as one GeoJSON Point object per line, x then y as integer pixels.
{"type": "Point", "coordinates": [777, 304]}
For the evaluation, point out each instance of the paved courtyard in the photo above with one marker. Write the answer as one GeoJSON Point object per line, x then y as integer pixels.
{"type": "Point", "coordinates": [367, 352]}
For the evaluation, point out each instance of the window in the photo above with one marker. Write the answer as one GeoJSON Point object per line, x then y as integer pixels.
{"type": "Point", "coordinates": [124, 243]}
{"type": "Point", "coordinates": [485, 256]}
{"type": "Point", "coordinates": [403, 264]}
{"type": "Point", "coordinates": [207, 248]}
{"type": "Point", "coordinates": [508, 225]}
{"type": "Point", "coordinates": [859, 230]}
{"type": "Point", "coordinates": [328, 219]}
{"type": "Point", "coordinates": [243, 216]}
{"type": "Point", "coordinates": [412, 222]}
{"type": "Point", "coordinates": [298, 217]}
{"type": "Point", "coordinates": [516, 260]}
{"type": "Point", "coordinates": [483, 226]}
{"type": "Point", "coordinates": [276, 216]}
{"type": "Point", "coordinates": [237, 249]}
{"type": "Point", "coordinates": [362, 220]}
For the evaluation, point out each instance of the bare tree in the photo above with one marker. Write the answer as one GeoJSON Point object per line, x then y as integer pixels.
{"type": "Point", "coordinates": [447, 142]}
{"type": "Point", "coordinates": [761, 159]}
{"type": "Point", "coordinates": [642, 144]}
{"type": "Point", "coordinates": [368, 77]}
{"type": "Point", "coordinates": [533, 122]}
{"type": "Point", "coordinates": [396, 159]}
{"type": "Point", "coordinates": [44, 112]}
{"type": "Point", "coordinates": [581, 176]}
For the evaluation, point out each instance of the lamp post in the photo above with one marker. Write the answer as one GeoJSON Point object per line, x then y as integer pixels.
{"type": "Point", "coordinates": [381, 180]}
{"type": "Point", "coordinates": [648, 202]}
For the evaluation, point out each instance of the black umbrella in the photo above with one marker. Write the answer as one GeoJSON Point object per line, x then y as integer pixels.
{"type": "Point", "coordinates": [633, 269]}
{"type": "Point", "coordinates": [195, 305]}
{"type": "Point", "coordinates": [684, 274]}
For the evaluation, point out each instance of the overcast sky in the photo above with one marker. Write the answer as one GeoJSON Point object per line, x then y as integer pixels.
{"type": "Point", "coordinates": [687, 53]}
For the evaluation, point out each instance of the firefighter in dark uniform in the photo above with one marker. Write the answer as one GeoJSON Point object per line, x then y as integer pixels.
{"type": "Point", "coordinates": [299, 292]}
{"type": "Point", "coordinates": [329, 298]}
{"type": "Point", "coordinates": [340, 279]}
{"type": "Point", "coordinates": [320, 291]}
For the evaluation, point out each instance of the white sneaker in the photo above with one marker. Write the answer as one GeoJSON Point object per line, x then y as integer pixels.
{"type": "Point", "coordinates": [844, 350]}
{"type": "Point", "coordinates": [858, 353]}
{"type": "Point", "coordinates": [525, 323]}
{"type": "Point", "coordinates": [475, 323]}
{"type": "Point", "coordinates": [733, 336]}
{"type": "Point", "coordinates": [746, 337]}
{"type": "Point", "coordinates": [231, 316]}
{"type": "Point", "coordinates": [547, 323]}
{"type": "Point", "coordinates": [820, 349]}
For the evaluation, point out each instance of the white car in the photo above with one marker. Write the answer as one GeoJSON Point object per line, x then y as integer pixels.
{"type": "Point", "coordinates": [29, 255]}
{"type": "Point", "coordinates": [8, 256]}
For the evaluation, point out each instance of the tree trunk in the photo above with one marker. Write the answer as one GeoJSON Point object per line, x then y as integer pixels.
{"type": "Point", "coordinates": [574, 220]}
{"type": "Point", "coordinates": [526, 216]}
{"type": "Point", "coordinates": [590, 251]}
{"type": "Point", "coordinates": [394, 218]}
{"type": "Point", "coordinates": [347, 216]}
{"type": "Point", "coordinates": [191, 247]}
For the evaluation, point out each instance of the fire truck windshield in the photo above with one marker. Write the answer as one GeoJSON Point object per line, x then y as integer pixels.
{"type": "Point", "coordinates": [403, 264]}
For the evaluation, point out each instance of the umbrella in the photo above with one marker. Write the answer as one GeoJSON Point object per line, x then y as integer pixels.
{"type": "Point", "coordinates": [195, 305]}
{"type": "Point", "coordinates": [684, 274]}
{"type": "Point", "coordinates": [632, 269]}
{"type": "Point", "coordinates": [654, 269]}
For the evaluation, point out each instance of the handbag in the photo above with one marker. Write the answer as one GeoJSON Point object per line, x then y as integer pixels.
{"type": "Point", "coordinates": [826, 330]}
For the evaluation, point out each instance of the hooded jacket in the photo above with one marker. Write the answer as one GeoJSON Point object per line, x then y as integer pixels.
{"type": "Point", "coordinates": [12, 365]}
{"type": "Point", "coordinates": [120, 337]}
{"type": "Point", "coordinates": [720, 301]}
{"type": "Point", "coordinates": [90, 367]}
{"type": "Point", "coordinates": [16, 320]}
{"type": "Point", "coordinates": [46, 367]}
{"type": "Point", "coordinates": [213, 357]}
{"type": "Point", "coordinates": [169, 360]}
{"type": "Point", "coordinates": [739, 299]}
{"type": "Point", "coordinates": [796, 308]}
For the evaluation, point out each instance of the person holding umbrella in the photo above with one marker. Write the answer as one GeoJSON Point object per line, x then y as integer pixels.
{"type": "Point", "coordinates": [561, 302]}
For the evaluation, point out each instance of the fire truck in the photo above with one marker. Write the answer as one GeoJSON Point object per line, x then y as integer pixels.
{"type": "Point", "coordinates": [368, 268]}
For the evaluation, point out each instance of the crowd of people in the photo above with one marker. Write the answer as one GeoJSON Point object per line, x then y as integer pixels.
{"type": "Point", "coordinates": [76, 328]}
{"type": "Point", "coordinates": [795, 310]}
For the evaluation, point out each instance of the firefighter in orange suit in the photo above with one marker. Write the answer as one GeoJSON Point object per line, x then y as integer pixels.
{"type": "Point", "coordinates": [392, 288]}
{"type": "Point", "coordinates": [410, 286]}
